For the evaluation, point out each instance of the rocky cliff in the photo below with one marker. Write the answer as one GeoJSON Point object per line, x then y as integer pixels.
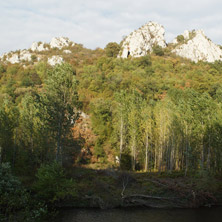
{"type": "Point", "coordinates": [141, 41]}
{"type": "Point", "coordinates": [196, 46]}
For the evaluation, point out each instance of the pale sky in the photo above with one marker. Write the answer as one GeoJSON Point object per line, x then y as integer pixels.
{"type": "Point", "coordinates": [94, 23]}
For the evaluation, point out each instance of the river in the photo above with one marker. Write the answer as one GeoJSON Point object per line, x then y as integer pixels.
{"type": "Point", "coordinates": [213, 214]}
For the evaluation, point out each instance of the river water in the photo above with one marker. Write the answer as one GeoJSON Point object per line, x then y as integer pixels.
{"type": "Point", "coordinates": [213, 214]}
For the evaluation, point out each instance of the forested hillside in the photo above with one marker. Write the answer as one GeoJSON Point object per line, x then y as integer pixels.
{"type": "Point", "coordinates": [156, 113]}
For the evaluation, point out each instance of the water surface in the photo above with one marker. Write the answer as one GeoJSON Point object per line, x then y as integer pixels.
{"type": "Point", "coordinates": [142, 215]}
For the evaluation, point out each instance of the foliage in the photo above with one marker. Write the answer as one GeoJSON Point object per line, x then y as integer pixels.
{"type": "Point", "coordinates": [159, 111]}
{"type": "Point", "coordinates": [158, 50]}
{"type": "Point", "coordinates": [61, 101]}
{"type": "Point", "coordinates": [52, 185]}
{"type": "Point", "coordinates": [180, 38]}
{"type": "Point", "coordinates": [13, 195]}
{"type": "Point", "coordinates": [112, 49]}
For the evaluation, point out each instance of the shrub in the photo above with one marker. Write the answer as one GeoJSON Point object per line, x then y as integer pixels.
{"type": "Point", "coordinates": [180, 38]}
{"type": "Point", "coordinates": [52, 184]}
{"type": "Point", "coordinates": [112, 49]}
{"type": "Point", "coordinates": [144, 61]}
{"type": "Point", "coordinates": [158, 50]}
{"type": "Point", "coordinates": [13, 196]}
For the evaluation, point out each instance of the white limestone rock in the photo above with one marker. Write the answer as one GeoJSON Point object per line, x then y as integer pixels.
{"type": "Point", "coordinates": [60, 42]}
{"type": "Point", "coordinates": [197, 47]}
{"type": "Point", "coordinates": [54, 60]}
{"type": "Point", "coordinates": [67, 51]}
{"type": "Point", "coordinates": [38, 46]}
{"type": "Point", "coordinates": [3, 56]}
{"type": "Point", "coordinates": [139, 42]}
{"type": "Point", "coordinates": [25, 55]}
{"type": "Point", "coordinates": [14, 58]}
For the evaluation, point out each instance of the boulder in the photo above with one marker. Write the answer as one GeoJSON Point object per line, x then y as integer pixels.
{"type": "Point", "coordinates": [54, 60]}
{"type": "Point", "coordinates": [38, 46]}
{"type": "Point", "coordinates": [60, 42]}
{"type": "Point", "coordinates": [25, 55]}
{"type": "Point", "coordinates": [67, 51]}
{"type": "Point", "coordinates": [14, 58]}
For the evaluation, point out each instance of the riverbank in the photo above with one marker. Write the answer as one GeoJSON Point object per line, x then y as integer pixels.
{"type": "Point", "coordinates": [107, 189]}
{"type": "Point", "coordinates": [55, 188]}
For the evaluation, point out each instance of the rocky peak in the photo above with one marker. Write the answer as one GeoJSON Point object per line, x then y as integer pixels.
{"type": "Point", "coordinates": [60, 42]}
{"type": "Point", "coordinates": [139, 42]}
{"type": "Point", "coordinates": [196, 46]}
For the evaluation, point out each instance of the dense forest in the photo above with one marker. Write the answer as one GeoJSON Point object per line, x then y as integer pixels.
{"type": "Point", "coordinates": [157, 113]}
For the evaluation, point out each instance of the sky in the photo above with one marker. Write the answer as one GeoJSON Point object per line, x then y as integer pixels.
{"type": "Point", "coordinates": [94, 23]}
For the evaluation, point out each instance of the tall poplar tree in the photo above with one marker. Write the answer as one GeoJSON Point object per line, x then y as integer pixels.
{"type": "Point", "coordinates": [61, 99]}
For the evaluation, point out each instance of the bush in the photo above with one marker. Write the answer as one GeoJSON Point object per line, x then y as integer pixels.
{"type": "Point", "coordinates": [112, 49]}
{"type": "Point", "coordinates": [15, 200]}
{"type": "Point", "coordinates": [180, 38]}
{"type": "Point", "coordinates": [13, 196]}
{"type": "Point", "coordinates": [144, 61]}
{"type": "Point", "coordinates": [158, 50]}
{"type": "Point", "coordinates": [52, 184]}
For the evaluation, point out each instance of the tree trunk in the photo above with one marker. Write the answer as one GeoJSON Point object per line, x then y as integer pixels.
{"type": "Point", "coordinates": [59, 134]}
{"type": "Point", "coordinates": [134, 153]}
{"type": "Point", "coordinates": [121, 140]}
{"type": "Point", "coordinates": [147, 146]}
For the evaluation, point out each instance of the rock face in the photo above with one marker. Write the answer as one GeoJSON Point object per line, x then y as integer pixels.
{"type": "Point", "coordinates": [25, 55]}
{"type": "Point", "coordinates": [33, 54]}
{"type": "Point", "coordinates": [54, 60]}
{"type": "Point", "coordinates": [196, 47]}
{"type": "Point", "coordinates": [38, 47]}
{"type": "Point", "coordinates": [17, 57]}
{"type": "Point", "coordinates": [60, 42]}
{"type": "Point", "coordinates": [13, 59]}
{"type": "Point", "coordinates": [139, 42]}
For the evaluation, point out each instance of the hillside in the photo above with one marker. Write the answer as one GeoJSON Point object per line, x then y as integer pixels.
{"type": "Point", "coordinates": [156, 112]}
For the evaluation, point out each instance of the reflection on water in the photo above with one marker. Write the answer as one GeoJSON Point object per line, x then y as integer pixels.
{"type": "Point", "coordinates": [142, 215]}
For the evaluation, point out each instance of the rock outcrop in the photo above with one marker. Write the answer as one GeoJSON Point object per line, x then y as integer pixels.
{"type": "Point", "coordinates": [60, 42]}
{"type": "Point", "coordinates": [196, 47]}
{"type": "Point", "coordinates": [38, 46]}
{"type": "Point", "coordinates": [17, 57]}
{"type": "Point", "coordinates": [54, 60]}
{"type": "Point", "coordinates": [67, 51]}
{"type": "Point", "coordinates": [139, 42]}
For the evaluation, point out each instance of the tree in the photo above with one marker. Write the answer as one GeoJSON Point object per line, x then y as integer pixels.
{"type": "Point", "coordinates": [120, 119]}
{"type": "Point", "coordinates": [112, 49]}
{"type": "Point", "coordinates": [8, 121]}
{"type": "Point", "coordinates": [33, 129]}
{"type": "Point", "coordinates": [158, 50]}
{"type": "Point", "coordinates": [61, 101]}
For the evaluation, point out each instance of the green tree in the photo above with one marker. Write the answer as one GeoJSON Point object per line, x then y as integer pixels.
{"type": "Point", "coordinates": [8, 122]}
{"type": "Point", "coordinates": [158, 50]}
{"type": "Point", "coordinates": [61, 101]}
{"type": "Point", "coordinates": [112, 49]}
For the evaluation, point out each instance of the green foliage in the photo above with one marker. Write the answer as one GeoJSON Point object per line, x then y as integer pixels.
{"type": "Point", "coordinates": [144, 61]}
{"type": "Point", "coordinates": [180, 38]}
{"type": "Point", "coordinates": [61, 102]}
{"type": "Point", "coordinates": [33, 58]}
{"type": "Point", "coordinates": [13, 195]}
{"type": "Point", "coordinates": [158, 50]}
{"type": "Point", "coordinates": [52, 185]}
{"type": "Point", "coordinates": [112, 49]}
